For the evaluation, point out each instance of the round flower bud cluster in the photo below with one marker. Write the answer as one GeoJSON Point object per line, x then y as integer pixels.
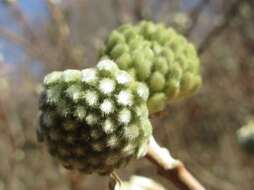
{"type": "Point", "coordinates": [245, 136]}
{"type": "Point", "coordinates": [94, 120]}
{"type": "Point", "coordinates": [158, 56]}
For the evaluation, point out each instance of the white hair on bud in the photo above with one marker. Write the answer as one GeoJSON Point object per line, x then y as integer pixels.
{"type": "Point", "coordinates": [91, 119]}
{"type": "Point", "coordinates": [123, 78]}
{"type": "Point", "coordinates": [124, 116]}
{"type": "Point", "coordinates": [71, 75]}
{"type": "Point", "coordinates": [142, 91]}
{"type": "Point", "coordinates": [112, 141]}
{"type": "Point", "coordinates": [131, 132]}
{"type": "Point", "coordinates": [141, 111]}
{"type": "Point", "coordinates": [125, 98]}
{"type": "Point", "coordinates": [89, 75]}
{"type": "Point", "coordinates": [106, 65]}
{"type": "Point", "coordinates": [52, 78]}
{"type": "Point", "coordinates": [91, 98]}
{"type": "Point", "coordinates": [107, 86]}
{"type": "Point", "coordinates": [74, 92]}
{"type": "Point", "coordinates": [107, 106]}
{"type": "Point", "coordinates": [245, 132]}
{"type": "Point", "coordinates": [108, 126]}
{"type": "Point", "coordinates": [80, 112]}
{"type": "Point", "coordinates": [53, 94]}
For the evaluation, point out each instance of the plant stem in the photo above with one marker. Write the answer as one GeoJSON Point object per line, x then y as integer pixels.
{"type": "Point", "coordinates": [173, 170]}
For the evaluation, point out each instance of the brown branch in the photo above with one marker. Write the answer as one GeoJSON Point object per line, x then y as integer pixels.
{"type": "Point", "coordinates": [195, 14]}
{"type": "Point", "coordinates": [228, 17]}
{"type": "Point", "coordinates": [173, 170]}
{"type": "Point", "coordinates": [60, 22]}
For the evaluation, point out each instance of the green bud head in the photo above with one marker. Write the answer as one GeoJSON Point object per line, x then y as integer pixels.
{"type": "Point", "coordinates": [163, 59]}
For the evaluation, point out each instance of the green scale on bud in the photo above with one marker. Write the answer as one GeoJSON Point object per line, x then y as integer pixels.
{"type": "Point", "coordinates": [94, 120]}
{"type": "Point", "coordinates": [157, 56]}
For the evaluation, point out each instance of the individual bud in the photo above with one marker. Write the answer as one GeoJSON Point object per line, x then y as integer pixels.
{"type": "Point", "coordinates": [80, 113]}
{"type": "Point", "coordinates": [161, 65]}
{"type": "Point", "coordinates": [71, 75]}
{"type": "Point", "coordinates": [118, 50]}
{"type": "Point", "coordinates": [148, 29]}
{"type": "Point", "coordinates": [174, 72]}
{"type": "Point", "coordinates": [89, 76]}
{"type": "Point", "coordinates": [107, 86]}
{"type": "Point", "coordinates": [172, 87]}
{"type": "Point", "coordinates": [124, 61]}
{"type": "Point", "coordinates": [157, 102]}
{"type": "Point", "coordinates": [124, 98]}
{"type": "Point", "coordinates": [107, 107]}
{"type": "Point", "coordinates": [142, 91]}
{"type": "Point", "coordinates": [74, 92]}
{"type": "Point", "coordinates": [53, 94]}
{"type": "Point", "coordinates": [130, 34]}
{"type": "Point", "coordinates": [91, 98]}
{"type": "Point", "coordinates": [53, 78]}
{"type": "Point", "coordinates": [160, 34]}
{"type": "Point", "coordinates": [168, 55]}
{"type": "Point", "coordinates": [94, 128]}
{"type": "Point", "coordinates": [115, 38]}
{"type": "Point", "coordinates": [157, 82]}
{"type": "Point", "coordinates": [106, 68]}
{"type": "Point", "coordinates": [187, 82]}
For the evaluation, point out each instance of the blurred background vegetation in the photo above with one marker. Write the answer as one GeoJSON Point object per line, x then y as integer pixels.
{"type": "Point", "coordinates": [39, 36]}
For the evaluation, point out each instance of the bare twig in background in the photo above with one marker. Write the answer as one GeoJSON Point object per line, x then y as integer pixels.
{"type": "Point", "coordinates": [22, 21]}
{"type": "Point", "coordinates": [122, 11]}
{"type": "Point", "coordinates": [14, 38]}
{"type": "Point", "coordinates": [118, 13]}
{"type": "Point", "coordinates": [61, 37]}
{"type": "Point", "coordinates": [31, 49]}
{"type": "Point", "coordinates": [34, 48]}
{"type": "Point", "coordinates": [228, 17]}
{"type": "Point", "coordinates": [172, 169]}
{"type": "Point", "coordinates": [59, 21]}
{"type": "Point", "coordinates": [195, 14]}
{"type": "Point", "coordinates": [13, 130]}
{"type": "Point", "coordinates": [138, 9]}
